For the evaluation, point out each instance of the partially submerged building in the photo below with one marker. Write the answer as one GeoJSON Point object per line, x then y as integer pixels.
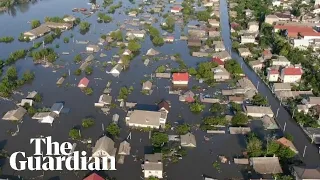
{"type": "Point", "coordinates": [15, 115]}
{"type": "Point", "coordinates": [153, 166]}
{"type": "Point", "coordinates": [188, 140]}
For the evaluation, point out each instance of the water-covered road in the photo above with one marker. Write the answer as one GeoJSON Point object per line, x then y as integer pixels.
{"type": "Point", "coordinates": [311, 157]}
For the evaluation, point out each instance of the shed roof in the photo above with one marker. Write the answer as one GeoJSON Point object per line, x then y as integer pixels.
{"type": "Point", "coordinates": [104, 144]}
{"type": "Point", "coordinates": [188, 140]}
{"type": "Point", "coordinates": [145, 117]}
{"type": "Point", "coordinates": [266, 165]}
{"type": "Point", "coordinates": [307, 173]}
{"type": "Point", "coordinates": [124, 148]}
{"type": "Point", "coordinates": [93, 176]}
{"type": "Point", "coordinates": [15, 115]}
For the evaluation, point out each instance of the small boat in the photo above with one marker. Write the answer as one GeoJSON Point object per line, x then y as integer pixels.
{"type": "Point", "coordinates": [75, 10]}
{"type": "Point", "coordinates": [65, 53]}
{"type": "Point", "coordinates": [83, 9]}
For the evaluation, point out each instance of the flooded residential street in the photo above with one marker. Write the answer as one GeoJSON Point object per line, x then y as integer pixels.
{"type": "Point", "coordinates": [312, 157]}
{"type": "Point", "coordinates": [192, 167]}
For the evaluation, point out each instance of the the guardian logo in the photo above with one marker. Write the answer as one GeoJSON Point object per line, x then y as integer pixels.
{"type": "Point", "coordinates": [58, 157]}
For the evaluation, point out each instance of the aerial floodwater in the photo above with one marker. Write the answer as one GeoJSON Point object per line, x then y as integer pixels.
{"type": "Point", "coordinates": [93, 97]}
{"type": "Point", "coordinates": [15, 21]}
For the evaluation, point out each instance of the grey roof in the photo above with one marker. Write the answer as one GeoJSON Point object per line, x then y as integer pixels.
{"type": "Point", "coordinates": [124, 148]}
{"type": "Point", "coordinates": [15, 115]}
{"type": "Point", "coordinates": [104, 144]}
{"type": "Point", "coordinates": [281, 86]}
{"type": "Point", "coordinates": [269, 122]}
{"type": "Point", "coordinates": [32, 94]}
{"type": "Point", "coordinates": [147, 85]}
{"type": "Point", "coordinates": [188, 140]}
{"type": "Point", "coordinates": [118, 67]}
{"type": "Point", "coordinates": [39, 30]}
{"type": "Point", "coordinates": [239, 130]}
{"type": "Point", "coordinates": [259, 109]}
{"type": "Point", "coordinates": [151, 118]}
{"type": "Point", "coordinates": [105, 99]}
{"type": "Point", "coordinates": [222, 55]}
{"type": "Point", "coordinates": [152, 52]}
{"type": "Point", "coordinates": [307, 173]}
{"type": "Point", "coordinates": [89, 58]}
{"type": "Point", "coordinates": [245, 83]}
{"type": "Point", "coordinates": [244, 50]}
{"type": "Point", "coordinates": [314, 100]}
{"type": "Point", "coordinates": [56, 107]}
{"type": "Point", "coordinates": [41, 115]}
{"type": "Point", "coordinates": [156, 157]}
{"type": "Point", "coordinates": [266, 165]}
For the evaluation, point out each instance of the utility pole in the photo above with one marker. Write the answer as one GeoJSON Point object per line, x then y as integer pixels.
{"type": "Point", "coordinates": [277, 112]}
{"type": "Point", "coordinates": [284, 127]}
{"type": "Point", "coordinates": [304, 151]}
{"type": "Point", "coordinates": [258, 85]}
{"type": "Point", "coordinates": [293, 113]}
{"type": "Point", "coordinates": [102, 126]}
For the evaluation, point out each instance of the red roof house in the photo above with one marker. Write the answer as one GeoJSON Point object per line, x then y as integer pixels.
{"type": "Point", "coordinates": [180, 78]}
{"type": "Point", "coordinates": [295, 31]}
{"type": "Point", "coordinates": [291, 74]}
{"type": "Point", "coordinates": [83, 83]}
{"type": "Point", "coordinates": [176, 9]}
{"type": "Point", "coordinates": [94, 176]}
{"type": "Point", "coordinates": [218, 61]}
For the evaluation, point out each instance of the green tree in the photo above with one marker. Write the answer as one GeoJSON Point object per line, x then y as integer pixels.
{"type": "Point", "coordinates": [158, 139]}
{"type": "Point", "coordinates": [157, 40]}
{"type": "Point", "coordinates": [239, 119]}
{"type": "Point", "coordinates": [259, 100]}
{"type": "Point", "coordinates": [77, 72]}
{"type": "Point", "coordinates": [134, 46]}
{"type": "Point", "coordinates": [218, 108]}
{"type": "Point", "coordinates": [124, 92]}
{"type": "Point", "coordinates": [37, 98]}
{"type": "Point", "coordinates": [196, 107]}
{"type": "Point", "coordinates": [192, 71]}
{"type": "Point", "coordinates": [77, 58]}
{"type": "Point", "coordinates": [28, 76]}
{"type": "Point", "coordinates": [6, 39]}
{"type": "Point", "coordinates": [161, 69]}
{"type": "Point", "coordinates": [88, 70]}
{"type": "Point", "coordinates": [235, 107]}
{"type": "Point", "coordinates": [32, 111]}
{"type": "Point", "coordinates": [12, 73]}
{"type": "Point", "coordinates": [74, 134]}
{"type": "Point", "coordinates": [87, 122]}
{"type": "Point", "coordinates": [113, 129]}
{"type": "Point", "coordinates": [209, 123]}
{"type": "Point", "coordinates": [203, 16]}
{"type": "Point", "coordinates": [35, 24]}
{"type": "Point", "coordinates": [153, 178]}
{"type": "Point", "coordinates": [233, 67]}
{"type": "Point", "coordinates": [117, 35]}
{"type": "Point", "coordinates": [66, 40]}
{"type": "Point", "coordinates": [84, 26]}
{"type": "Point", "coordinates": [88, 91]}
{"type": "Point", "coordinates": [254, 146]}
{"type": "Point", "coordinates": [183, 129]}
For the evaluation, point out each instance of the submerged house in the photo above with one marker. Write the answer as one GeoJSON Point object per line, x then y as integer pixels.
{"type": "Point", "coordinates": [93, 48]}
{"type": "Point", "coordinates": [153, 166]}
{"type": "Point", "coordinates": [45, 117]}
{"type": "Point", "coordinates": [36, 32]}
{"type": "Point", "coordinates": [94, 176]}
{"type": "Point", "coordinates": [104, 147]}
{"type": "Point", "coordinates": [116, 70]}
{"type": "Point", "coordinates": [124, 148]}
{"type": "Point", "coordinates": [266, 165]}
{"type": "Point", "coordinates": [83, 83]}
{"type": "Point", "coordinates": [15, 115]}
{"type": "Point", "coordinates": [56, 108]}
{"type": "Point", "coordinates": [188, 140]}
{"type": "Point", "coordinates": [147, 85]}
{"type": "Point", "coordinates": [146, 119]}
